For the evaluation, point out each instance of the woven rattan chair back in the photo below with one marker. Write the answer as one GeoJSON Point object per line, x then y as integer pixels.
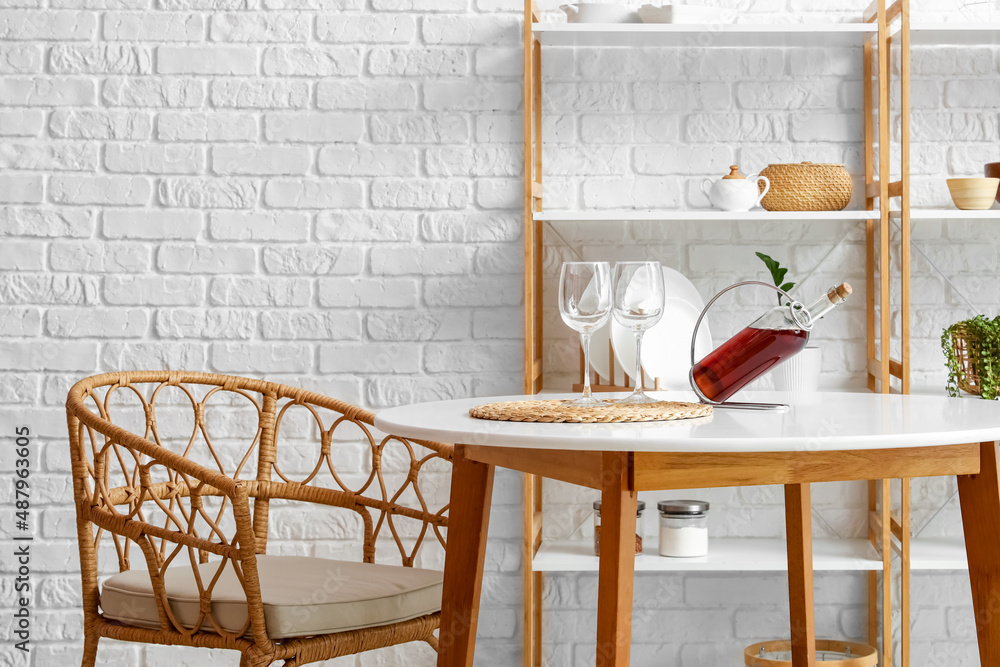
{"type": "Point", "coordinates": [152, 483]}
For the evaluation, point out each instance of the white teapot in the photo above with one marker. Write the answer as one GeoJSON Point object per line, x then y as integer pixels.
{"type": "Point", "coordinates": [734, 192]}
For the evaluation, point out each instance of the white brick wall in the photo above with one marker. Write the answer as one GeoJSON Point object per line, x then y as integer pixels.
{"type": "Point", "coordinates": [327, 192]}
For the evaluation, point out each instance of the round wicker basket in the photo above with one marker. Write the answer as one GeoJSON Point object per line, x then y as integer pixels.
{"type": "Point", "coordinates": [807, 187]}
{"type": "Point", "coordinates": [968, 375]}
{"type": "Point", "coordinates": [829, 653]}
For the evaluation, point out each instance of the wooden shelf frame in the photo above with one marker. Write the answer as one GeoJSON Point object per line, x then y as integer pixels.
{"type": "Point", "coordinates": [885, 26]}
{"type": "Point", "coordinates": [702, 215]}
{"type": "Point", "coordinates": [738, 35]}
{"type": "Point", "coordinates": [532, 201]}
{"type": "Point", "coordinates": [533, 289]}
{"type": "Point", "coordinates": [889, 531]}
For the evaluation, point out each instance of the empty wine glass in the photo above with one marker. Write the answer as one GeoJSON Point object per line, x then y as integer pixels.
{"type": "Point", "coordinates": [585, 306]}
{"type": "Point", "coordinates": [638, 305]}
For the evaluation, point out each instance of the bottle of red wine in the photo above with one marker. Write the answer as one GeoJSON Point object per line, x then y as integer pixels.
{"type": "Point", "coordinates": [771, 339]}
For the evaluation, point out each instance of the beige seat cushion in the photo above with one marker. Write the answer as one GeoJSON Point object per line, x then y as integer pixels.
{"type": "Point", "coordinates": [302, 596]}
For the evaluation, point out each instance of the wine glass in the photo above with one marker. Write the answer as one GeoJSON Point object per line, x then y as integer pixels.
{"type": "Point", "coordinates": [638, 305]}
{"type": "Point", "coordinates": [585, 306]}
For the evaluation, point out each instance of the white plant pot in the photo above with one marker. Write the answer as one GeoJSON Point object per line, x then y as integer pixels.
{"type": "Point", "coordinates": [800, 373]}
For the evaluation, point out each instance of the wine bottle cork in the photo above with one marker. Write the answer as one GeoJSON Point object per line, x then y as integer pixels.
{"type": "Point", "coordinates": [839, 293]}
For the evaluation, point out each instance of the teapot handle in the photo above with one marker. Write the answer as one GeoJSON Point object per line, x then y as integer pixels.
{"type": "Point", "coordinates": [569, 9]}
{"type": "Point", "coordinates": [767, 188]}
{"type": "Point", "coordinates": [706, 187]}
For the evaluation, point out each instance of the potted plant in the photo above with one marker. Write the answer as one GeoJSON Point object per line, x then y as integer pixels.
{"type": "Point", "coordinates": [800, 372]}
{"type": "Point", "coordinates": [972, 353]}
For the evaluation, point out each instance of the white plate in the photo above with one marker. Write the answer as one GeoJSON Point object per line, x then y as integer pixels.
{"type": "Point", "coordinates": [666, 348]}
{"type": "Point", "coordinates": [675, 286]}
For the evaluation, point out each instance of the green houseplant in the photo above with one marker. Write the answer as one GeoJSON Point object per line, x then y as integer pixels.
{"type": "Point", "coordinates": [972, 353]}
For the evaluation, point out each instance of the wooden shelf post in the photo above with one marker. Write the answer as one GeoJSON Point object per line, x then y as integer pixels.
{"type": "Point", "coordinates": [532, 202]}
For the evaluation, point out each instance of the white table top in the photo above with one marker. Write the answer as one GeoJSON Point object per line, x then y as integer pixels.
{"type": "Point", "coordinates": [816, 421]}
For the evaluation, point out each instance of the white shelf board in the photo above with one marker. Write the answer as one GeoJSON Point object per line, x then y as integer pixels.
{"type": "Point", "coordinates": [725, 555]}
{"type": "Point", "coordinates": [703, 214]}
{"type": "Point", "coordinates": [954, 34]}
{"type": "Point", "coordinates": [703, 35]}
{"type": "Point", "coordinates": [948, 553]}
{"type": "Point", "coordinates": [948, 214]}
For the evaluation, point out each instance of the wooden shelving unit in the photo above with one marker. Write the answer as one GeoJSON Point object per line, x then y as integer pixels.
{"type": "Point", "coordinates": [702, 215]}
{"type": "Point", "coordinates": [706, 36]}
{"type": "Point", "coordinates": [885, 29]}
{"type": "Point", "coordinates": [949, 214]}
{"type": "Point", "coordinates": [760, 555]}
{"type": "Point", "coordinates": [726, 555]}
{"type": "Point", "coordinates": [954, 34]}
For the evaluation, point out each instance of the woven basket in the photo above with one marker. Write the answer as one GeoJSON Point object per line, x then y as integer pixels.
{"type": "Point", "coordinates": [968, 374]}
{"type": "Point", "coordinates": [807, 187]}
{"type": "Point", "coordinates": [830, 653]}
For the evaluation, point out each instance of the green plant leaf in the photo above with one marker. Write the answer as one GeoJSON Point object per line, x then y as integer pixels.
{"type": "Point", "coordinates": [778, 273]}
{"type": "Point", "coordinates": [770, 263]}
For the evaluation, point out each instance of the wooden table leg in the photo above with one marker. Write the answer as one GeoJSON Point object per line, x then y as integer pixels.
{"type": "Point", "coordinates": [617, 561]}
{"type": "Point", "coordinates": [980, 496]}
{"type": "Point", "coordinates": [798, 524]}
{"type": "Point", "coordinates": [468, 521]}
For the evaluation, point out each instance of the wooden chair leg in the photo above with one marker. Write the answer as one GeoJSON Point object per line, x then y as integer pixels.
{"type": "Point", "coordinates": [980, 497]}
{"type": "Point", "coordinates": [468, 522]}
{"type": "Point", "coordinates": [798, 524]}
{"type": "Point", "coordinates": [90, 641]}
{"type": "Point", "coordinates": [617, 562]}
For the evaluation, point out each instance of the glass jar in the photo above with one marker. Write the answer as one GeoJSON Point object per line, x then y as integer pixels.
{"type": "Point", "coordinates": [683, 528]}
{"type": "Point", "coordinates": [639, 509]}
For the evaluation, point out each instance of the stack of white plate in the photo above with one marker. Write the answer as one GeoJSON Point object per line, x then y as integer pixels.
{"type": "Point", "coordinates": [666, 348]}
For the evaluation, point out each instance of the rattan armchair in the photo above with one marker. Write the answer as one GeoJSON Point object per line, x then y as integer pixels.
{"type": "Point", "coordinates": [196, 509]}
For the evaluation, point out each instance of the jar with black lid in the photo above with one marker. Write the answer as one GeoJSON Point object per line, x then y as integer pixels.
{"type": "Point", "coordinates": [640, 508]}
{"type": "Point", "coordinates": [683, 528]}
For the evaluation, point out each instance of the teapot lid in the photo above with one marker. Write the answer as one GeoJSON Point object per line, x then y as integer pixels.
{"type": "Point", "coordinates": [734, 173]}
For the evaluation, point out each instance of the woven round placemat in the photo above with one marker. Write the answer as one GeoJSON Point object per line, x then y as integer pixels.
{"type": "Point", "coordinates": [607, 413]}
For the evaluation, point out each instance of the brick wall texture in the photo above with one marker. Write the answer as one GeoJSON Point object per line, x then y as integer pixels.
{"type": "Point", "coordinates": [327, 193]}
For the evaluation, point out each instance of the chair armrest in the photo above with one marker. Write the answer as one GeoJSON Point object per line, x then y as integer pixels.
{"type": "Point", "coordinates": [77, 410]}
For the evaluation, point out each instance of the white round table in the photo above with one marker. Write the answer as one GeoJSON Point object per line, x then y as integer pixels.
{"type": "Point", "coordinates": [823, 437]}
{"type": "Point", "coordinates": [827, 421]}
